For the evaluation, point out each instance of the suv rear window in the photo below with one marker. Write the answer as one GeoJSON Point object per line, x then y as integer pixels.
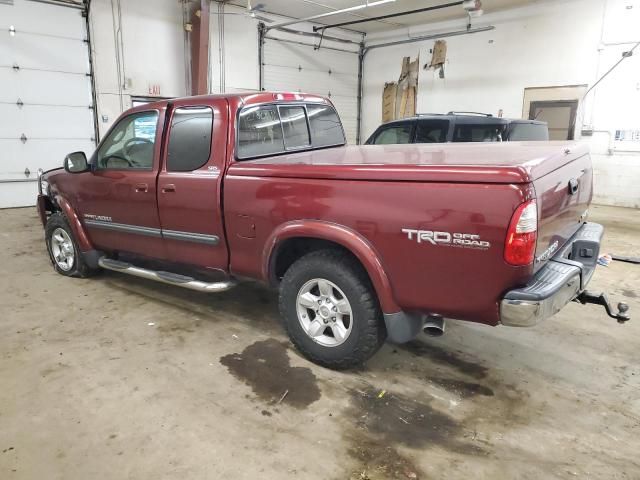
{"type": "Point", "coordinates": [528, 131]}
{"type": "Point", "coordinates": [478, 132]}
{"type": "Point", "coordinates": [272, 129]}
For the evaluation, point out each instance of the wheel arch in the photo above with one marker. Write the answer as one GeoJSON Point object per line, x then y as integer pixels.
{"type": "Point", "coordinates": [79, 231]}
{"type": "Point", "coordinates": [303, 236]}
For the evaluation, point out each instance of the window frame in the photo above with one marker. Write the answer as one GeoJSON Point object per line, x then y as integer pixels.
{"type": "Point", "coordinates": [94, 158]}
{"type": "Point", "coordinates": [170, 130]}
{"type": "Point", "coordinates": [277, 105]}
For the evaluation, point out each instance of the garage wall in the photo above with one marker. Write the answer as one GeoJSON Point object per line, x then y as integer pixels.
{"type": "Point", "coordinates": [289, 65]}
{"type": "Point", "coordinates": [549, 44]}
{"type": "Point", "coordinates": [138, 50]}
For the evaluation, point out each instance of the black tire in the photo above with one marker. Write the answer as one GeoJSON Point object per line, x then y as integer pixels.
{"type": "Point", "coordinates": [79, 268]}
{"type": "Point", "coordinates": [367, 329]}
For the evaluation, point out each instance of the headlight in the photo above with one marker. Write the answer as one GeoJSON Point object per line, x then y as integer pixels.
{"type": "Point", "coordinates": [44, 187]}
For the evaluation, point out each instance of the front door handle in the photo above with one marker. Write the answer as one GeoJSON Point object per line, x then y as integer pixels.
{"type": "Point", "coordinates": [142, 187]}
{"type": "Point", "coordinates": [170, 187]}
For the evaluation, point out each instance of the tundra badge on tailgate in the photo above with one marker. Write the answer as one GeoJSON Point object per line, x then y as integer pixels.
{"type": "Point", "coordinates": [447, 239]}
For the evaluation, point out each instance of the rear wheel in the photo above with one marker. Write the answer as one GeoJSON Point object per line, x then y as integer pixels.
{"type": "Point", "coordinates": [63, 250]}
{"type": "Point", "coordinates": [330, 309]}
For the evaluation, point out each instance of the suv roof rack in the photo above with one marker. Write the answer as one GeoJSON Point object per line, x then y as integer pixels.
{"type": "Point", "coordinates": [471, 113]}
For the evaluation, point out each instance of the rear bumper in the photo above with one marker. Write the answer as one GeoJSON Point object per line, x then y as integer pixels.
{"type": "Point", "coordinates": [557, 283]}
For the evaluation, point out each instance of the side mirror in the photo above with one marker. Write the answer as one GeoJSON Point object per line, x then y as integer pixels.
{"type": "Point", "coordinates": [76, 162]}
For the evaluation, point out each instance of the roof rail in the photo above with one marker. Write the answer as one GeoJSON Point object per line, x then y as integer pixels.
{"type": "Point", "coordinates": [471, 113]}
{"type": "Point", "coordinates": [430, 114]}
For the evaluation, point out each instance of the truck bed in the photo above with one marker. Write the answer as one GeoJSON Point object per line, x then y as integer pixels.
{"type": "Point", "coordinates": [512, 162]}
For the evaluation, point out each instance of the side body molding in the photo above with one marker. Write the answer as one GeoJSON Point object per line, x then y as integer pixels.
{"type": "Point", "coordinates": [78, 229]}
{"type": "Point", "coordinates": [346, 237]}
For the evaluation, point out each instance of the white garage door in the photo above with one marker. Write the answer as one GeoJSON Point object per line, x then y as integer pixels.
{"type": "Point", "coordinates": [330, 73]}
{"type": "Point", "coordinates": [45, 94]}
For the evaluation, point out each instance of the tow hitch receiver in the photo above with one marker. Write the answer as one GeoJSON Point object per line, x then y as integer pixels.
{"type": "Point", "coordinates": [601, 299]}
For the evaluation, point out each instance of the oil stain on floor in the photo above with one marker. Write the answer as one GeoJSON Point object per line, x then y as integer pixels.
{"type": "Point", "coordinates": [265, 367]}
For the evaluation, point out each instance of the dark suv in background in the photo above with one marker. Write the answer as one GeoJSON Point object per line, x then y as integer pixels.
{"type": "Point", "coordinates": [458, 127]}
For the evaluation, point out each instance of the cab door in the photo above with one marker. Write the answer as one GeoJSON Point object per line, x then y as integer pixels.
{"type": "Point", "coordinates": [190, 183]}
{"type": "Point", "coordinates": [117, 198]}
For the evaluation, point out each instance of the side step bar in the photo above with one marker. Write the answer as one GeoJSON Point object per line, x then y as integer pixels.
{"type": "Point", "coordinates": [166, 277]}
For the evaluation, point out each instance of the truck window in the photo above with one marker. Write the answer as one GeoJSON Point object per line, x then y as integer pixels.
{"type": "Point", "coordinates": [130, 144]}
{"type": "Point", "coordinates": [189, 138]}
{"type": "Point", "coordinates": [270, 129]}
{"type": "Point", "coordinates": [325, 126]}
{"type": "Point", "coordinates": [478, 133]}
{"type": "Point", "coordinates": [259, 132]}
{"type": "Point", "coordinates": [431, 131]}
{"type": "Point", "coordinates": [394, 134]}
{"type": "Point", "coordinates": [294, 127]}
{"type": "Point", "coordinates": [528, 131]}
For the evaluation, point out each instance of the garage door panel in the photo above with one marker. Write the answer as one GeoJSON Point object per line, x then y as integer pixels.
{"type": "Point", "coordinates": [48, 88]}
{"type": "Point", "coordinates": [330, 73]}
{"type": "Point", "coordinates": [35, 154]}
{"type": "Point", "coordinates": [41, 19]}
{"type": "Point", "coordinates": [307, 57]}
{"type": "Point", "coordinates": [51, 82]}
{"type": "Point", "coordinates": [18, 194]}
{"type": "Point", "coordinates": [43, 52]}
{"type": "Point", "coordinates": [44, 122]}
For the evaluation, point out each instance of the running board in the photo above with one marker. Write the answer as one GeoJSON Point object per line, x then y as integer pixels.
{"type": "Point", "coordinates": [166, 277]}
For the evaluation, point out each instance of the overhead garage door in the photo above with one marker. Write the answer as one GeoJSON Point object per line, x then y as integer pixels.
{"type": "Point", "coordinates": [300, 68]}
{"type": "Point", "coordinates": [45, 94]}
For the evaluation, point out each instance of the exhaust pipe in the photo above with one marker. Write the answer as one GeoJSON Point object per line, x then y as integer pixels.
{"type": "Point", "coordinates": [434, 326]}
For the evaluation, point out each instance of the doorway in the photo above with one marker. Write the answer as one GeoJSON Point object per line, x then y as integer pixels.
{"type": "Point", "coordinates": [559, 115]}
{"type": "Point", "coordinates": [558, 106]}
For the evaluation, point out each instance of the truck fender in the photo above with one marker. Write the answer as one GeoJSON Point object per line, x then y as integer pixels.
{"type": "Point", "coordinates": [347, 238]}
{"type": "Point", "coordinates": [74, 222]}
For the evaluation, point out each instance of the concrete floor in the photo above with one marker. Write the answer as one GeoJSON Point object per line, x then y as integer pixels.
{"type": "Point", "coordinates": [116, 377]}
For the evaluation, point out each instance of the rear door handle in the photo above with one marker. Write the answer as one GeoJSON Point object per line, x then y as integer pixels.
{"type": "Point", "coordinates": [170, 187]}
{"type": "Point", "coordinates": [142, 187]}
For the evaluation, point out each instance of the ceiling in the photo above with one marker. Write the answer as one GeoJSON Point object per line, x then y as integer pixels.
{"type": "Point", "coordinates": [307, 8]}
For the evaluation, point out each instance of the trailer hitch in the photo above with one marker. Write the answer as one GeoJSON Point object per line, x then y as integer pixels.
{"type": "Point", "coordinates": [601, 299]}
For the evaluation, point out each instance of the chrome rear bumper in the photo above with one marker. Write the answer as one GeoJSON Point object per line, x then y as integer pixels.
{"type": "Point", "coordinates": [560, 281]}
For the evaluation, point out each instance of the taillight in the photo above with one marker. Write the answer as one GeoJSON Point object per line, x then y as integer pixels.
{"type": "Point", "coordinates": [520, 245]}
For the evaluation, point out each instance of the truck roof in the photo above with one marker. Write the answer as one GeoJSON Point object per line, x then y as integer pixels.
{"type": "Point", "coordinates": [240, 98]}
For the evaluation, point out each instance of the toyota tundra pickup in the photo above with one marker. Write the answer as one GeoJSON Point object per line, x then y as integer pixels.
{"type": "Point", "coordinates": [365, 243]}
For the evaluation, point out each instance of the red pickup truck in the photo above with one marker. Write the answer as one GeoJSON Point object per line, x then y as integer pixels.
{"type": "Point", "coordinates": [365, 243]}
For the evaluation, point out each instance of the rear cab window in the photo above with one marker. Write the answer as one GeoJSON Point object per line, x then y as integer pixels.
{"type": "Point", "coordinates": [274, 129]}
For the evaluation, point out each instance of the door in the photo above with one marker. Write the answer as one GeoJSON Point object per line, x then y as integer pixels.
{"type": "Point", "coordinates": [560, 116]}
{"type": "Point", "coordinates": [117, 199]}
{"type": "Point", "coordinates": [295, 67]}
{"type": "Point", "coordinates": [190, 182]}
{"type": "Point", "coordinates": [45, 99]}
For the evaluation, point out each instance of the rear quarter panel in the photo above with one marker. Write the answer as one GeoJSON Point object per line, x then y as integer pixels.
{"type": "Point", "coordinates": [456, 282]}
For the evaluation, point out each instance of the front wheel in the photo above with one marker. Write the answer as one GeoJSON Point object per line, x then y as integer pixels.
{"type": "Point", "coordinates": [330, 309]}
{"type": "Point", "coordinates": [63, 249]}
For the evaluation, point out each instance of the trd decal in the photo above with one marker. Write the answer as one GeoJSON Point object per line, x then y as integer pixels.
{"type": "Point", "coordinates": [447, 239]}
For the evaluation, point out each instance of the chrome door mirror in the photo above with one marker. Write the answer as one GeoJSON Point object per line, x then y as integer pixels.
{"type": "Point", "coordinates": [76, 162]}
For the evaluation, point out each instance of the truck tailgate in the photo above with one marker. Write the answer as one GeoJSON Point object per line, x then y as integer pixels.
{"type": "Point", "coordinates": [563, 197]}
